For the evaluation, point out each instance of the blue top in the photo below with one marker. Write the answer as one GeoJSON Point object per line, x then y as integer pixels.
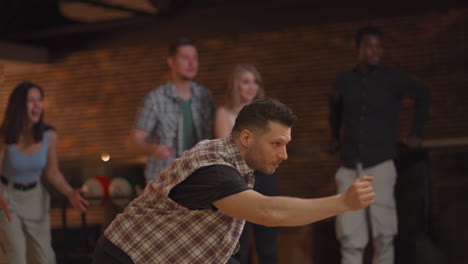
{"type": "Point", "coordinates": [19, 167]}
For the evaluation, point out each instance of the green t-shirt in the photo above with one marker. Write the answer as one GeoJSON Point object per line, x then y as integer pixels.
{"type": "Point", "coordinates": [189, 134]}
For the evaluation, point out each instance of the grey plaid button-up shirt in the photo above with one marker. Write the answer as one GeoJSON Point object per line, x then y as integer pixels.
{"type": "Point", "coordinates": [155, 229]}
{"type": "Point", "coordinates": [161, 116]}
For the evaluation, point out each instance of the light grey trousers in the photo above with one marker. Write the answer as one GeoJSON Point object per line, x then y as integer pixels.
{"type": "Point", "coordinates": [378, 221]}
{"type": "Point", "coordinates": [27, 239]}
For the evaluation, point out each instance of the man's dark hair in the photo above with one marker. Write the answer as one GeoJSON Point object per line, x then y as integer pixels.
{"type": "Point", "coordinates": [257, 114]}
{"type": "Point", "coordinates": [177, 43]}
{"type": "Point", "coordinates": [367, 31]}
{"type": "Point", "coordinates": [16, 113]}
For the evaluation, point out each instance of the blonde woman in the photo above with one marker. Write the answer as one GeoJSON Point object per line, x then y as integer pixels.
{"type": "Point", "coordinates": [246, 85]}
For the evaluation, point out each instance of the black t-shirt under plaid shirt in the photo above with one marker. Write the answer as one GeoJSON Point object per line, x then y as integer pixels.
{"type": "Point", "coordinates": [198, 192]}
{"type": "Point", "coordinates": [154, 228]}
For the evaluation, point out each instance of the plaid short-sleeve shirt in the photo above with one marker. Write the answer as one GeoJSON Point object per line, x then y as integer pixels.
{"type": "Point", "coordinates": [155, 229]}
{"type": "Point", "coordinates": [161, 116]}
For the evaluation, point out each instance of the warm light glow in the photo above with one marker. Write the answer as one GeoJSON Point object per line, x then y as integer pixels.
{"type": "Point", "coordinates": [105, 157]}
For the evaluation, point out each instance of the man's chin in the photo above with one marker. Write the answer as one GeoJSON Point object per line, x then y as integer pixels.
{"type": "Point", "coordinates": [267, 171]}
{"type": "Point", "coordinates": [188, 77]}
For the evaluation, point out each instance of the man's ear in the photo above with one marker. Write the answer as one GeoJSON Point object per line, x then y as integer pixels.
{"type": "Point", "coordinates": [246, 137]}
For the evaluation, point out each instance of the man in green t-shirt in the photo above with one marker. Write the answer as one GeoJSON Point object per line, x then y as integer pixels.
{"type": "Point", "coordinates": [176, 115]}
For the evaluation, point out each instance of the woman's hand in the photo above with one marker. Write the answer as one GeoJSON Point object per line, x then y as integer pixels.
{"type": "Point", "coordinates": [5, 208]}
{"type": "Point", "coordinates": [77, 200]}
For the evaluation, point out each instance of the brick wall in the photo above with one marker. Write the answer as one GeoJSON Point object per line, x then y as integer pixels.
{"type": "Point", "coordinates": [92, 93]}
{"type": "Point", "coordinates": [93, 88]}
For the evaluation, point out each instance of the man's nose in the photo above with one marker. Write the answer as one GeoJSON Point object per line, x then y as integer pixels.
{"type": "Point", "coordinates": [283, 154]}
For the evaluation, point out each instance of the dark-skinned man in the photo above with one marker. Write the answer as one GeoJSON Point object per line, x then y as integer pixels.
{"type": "Point", "coordinates": [363, 115]}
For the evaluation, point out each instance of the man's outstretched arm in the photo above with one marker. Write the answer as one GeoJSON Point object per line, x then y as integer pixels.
{"type": "Point", "coordinates": [287, 211]}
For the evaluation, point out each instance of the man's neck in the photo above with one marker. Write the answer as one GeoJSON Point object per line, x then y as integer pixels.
{"type": "Point", "coordinates": [365, 68]}
{"type": "Point", "coordinates": [183, 88]}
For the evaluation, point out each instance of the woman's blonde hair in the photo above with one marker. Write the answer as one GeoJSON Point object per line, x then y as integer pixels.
{"type": "Point", "coordinates": [232, 94]}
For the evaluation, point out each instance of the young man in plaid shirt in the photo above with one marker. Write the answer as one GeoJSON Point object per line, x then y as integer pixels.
{"type": "Point", "coordinates": [176, 115]}
{"type": "Point", "coordinates": [194, 212]}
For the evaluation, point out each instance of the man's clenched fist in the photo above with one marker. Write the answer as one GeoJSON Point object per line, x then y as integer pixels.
{"type": "Point", "coordinates": [360, 194]}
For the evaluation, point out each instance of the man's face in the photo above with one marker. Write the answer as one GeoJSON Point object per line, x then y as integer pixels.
{"type": "Point", "coordinates": [267, 150]}
{"type": "Point", "coordinates": [370, 50]}
{"type": "Point", "coordinates": [184, 64]}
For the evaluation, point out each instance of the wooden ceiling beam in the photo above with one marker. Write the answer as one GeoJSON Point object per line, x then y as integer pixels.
{"type": "Point", "coordinates": [24, 53]}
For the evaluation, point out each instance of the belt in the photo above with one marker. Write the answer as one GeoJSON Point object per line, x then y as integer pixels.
{"type": "Point", "coordinates": [19, 186]}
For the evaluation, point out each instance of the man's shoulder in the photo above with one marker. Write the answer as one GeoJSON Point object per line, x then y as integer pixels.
{"type": "Point", "coordinates": [347, 73]}
{"type": "Point", "coordinates": [160, 95]}
{"type": "Point", "coordinates": [208, 146]}
{"type": "Point", "coordinates": [202, 94]}
{"type": "Point", "coordinates": [210, 149]}
{"type": "Point", "coordinates": [199, 88]}
{"type": "Point", "coordinates": [160, 90]}
{"type": "Point", "coordinates": [391, 71]}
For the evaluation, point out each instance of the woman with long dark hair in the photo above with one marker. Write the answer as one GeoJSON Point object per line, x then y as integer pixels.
{"type": "Point", "coordinates": [28, 149]}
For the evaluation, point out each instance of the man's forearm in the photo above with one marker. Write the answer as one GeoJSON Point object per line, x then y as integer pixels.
{"type": "Point", "coordinates": [287, 211]}
{"type": "Point", "coordinates": [143, 147]}
{"type": "Point", "coordinates": [158, 151]}
{"type": "Point", "coordinates": [138, 142]}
